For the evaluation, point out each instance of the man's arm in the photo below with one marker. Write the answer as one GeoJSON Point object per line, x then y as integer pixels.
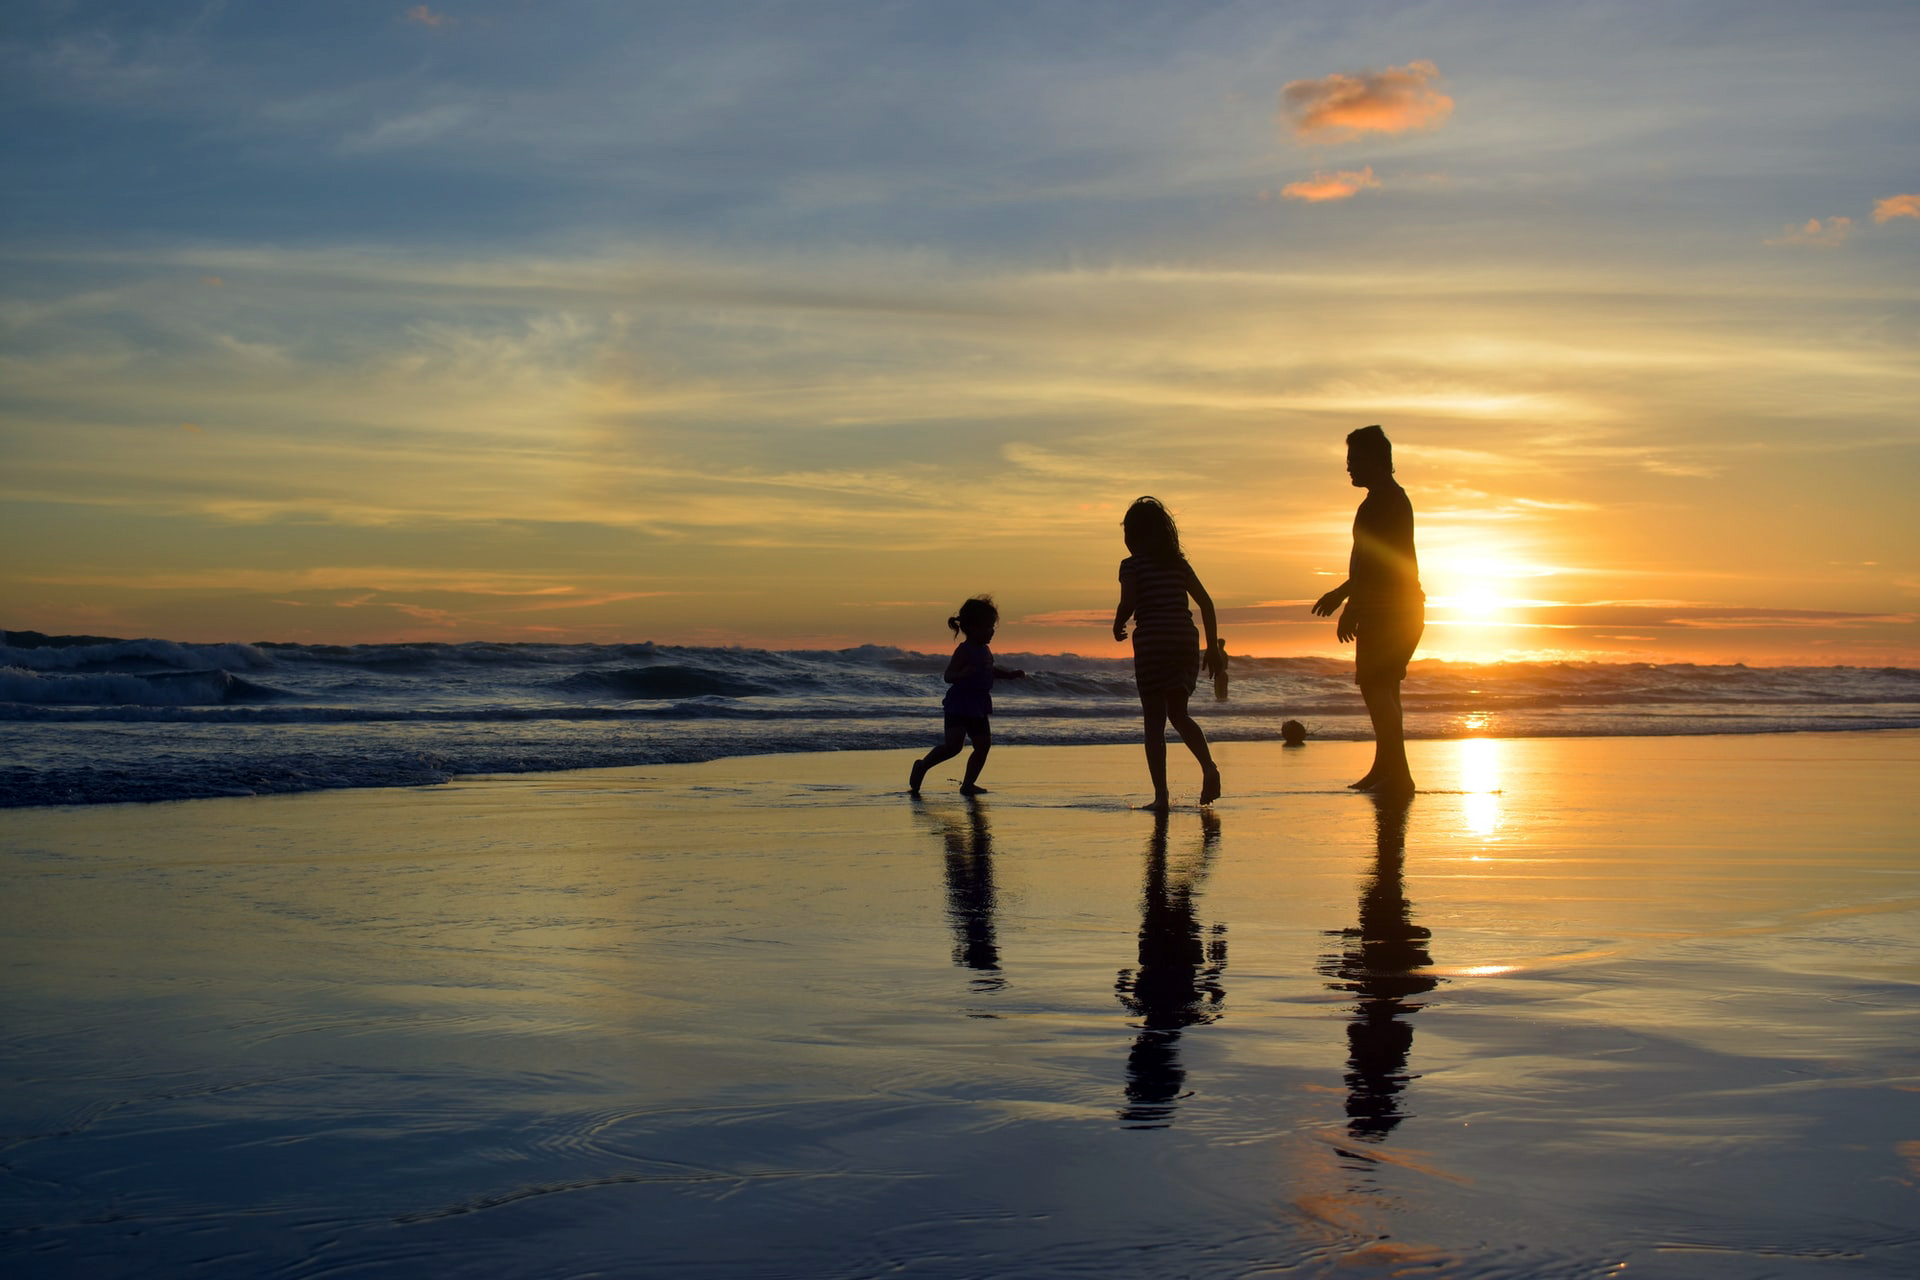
{"type": "Point", "coordinates": [1326, 604]}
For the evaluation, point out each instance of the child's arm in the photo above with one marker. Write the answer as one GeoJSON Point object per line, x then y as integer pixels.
{"type": "Point", "coordinates": [959, 664]}
{"type": "Point", "coordinates": [1007, 673]}
{"type": "Point", "coordinates": [1207, 618]}
{"type": "Point", "coordinates": [1124, 610]}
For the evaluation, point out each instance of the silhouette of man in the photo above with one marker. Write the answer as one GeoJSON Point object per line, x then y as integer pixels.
{"type": "Point", "coordinates": [1385, 608]}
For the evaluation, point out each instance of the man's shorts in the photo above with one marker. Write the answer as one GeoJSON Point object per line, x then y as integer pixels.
{"type": "Point", "coordinates": [1384, 642]}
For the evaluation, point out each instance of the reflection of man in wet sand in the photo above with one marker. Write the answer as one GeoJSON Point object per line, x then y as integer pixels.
{"type": "Point", "coordinates": [1381, 963]}
{"type": "Point", "coordinates": [1177, 984]}
{"type": "Point", "coordinates": [1386, 609]}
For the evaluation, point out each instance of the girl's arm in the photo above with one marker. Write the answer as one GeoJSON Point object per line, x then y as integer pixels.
{"type": "Point", "coordinates": [1207, 618]}
{"type": "Point", "coordinates": [959, 664]}
{"type": "Point", "coordinates": [1205, 601]}
{"type": "Point", "coordinates": [1124, 610]}
{"type": "Point", "coordinates": [1007, 673]}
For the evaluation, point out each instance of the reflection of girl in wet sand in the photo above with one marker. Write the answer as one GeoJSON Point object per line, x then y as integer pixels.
{"type": "Point", "coordinates": [1385, 608]}
{"type": "Point", "coordinates": [971, 898]}
{"type": "Point", "coordinates": [1380, 963]}
{"type": "Point", "coordinates": [1177, 984]}
{"type": "Point", "coordinates": [1155, 581]}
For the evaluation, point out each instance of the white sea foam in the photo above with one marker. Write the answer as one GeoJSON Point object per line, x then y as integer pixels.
{"type": "Point", "coordinates": [157, 719]}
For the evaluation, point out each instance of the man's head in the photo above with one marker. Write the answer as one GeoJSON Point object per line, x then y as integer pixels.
{"type": "Point", "coordinates": [1369, 456]}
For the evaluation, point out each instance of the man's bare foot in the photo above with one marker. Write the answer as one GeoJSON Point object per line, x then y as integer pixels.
{"type": "Point", "coordinates": [1209, 785]}
{"type": "Point", "coordinates": [1367, 783]}
{"type": "Point", "coordinates": [1161, 803]}
{"type": "Point", "coordinates": [972, 789]}
{"type": "Point", "coordinates": [1397, 785]}
{"type": "Point", "coordinates": [919, 775]}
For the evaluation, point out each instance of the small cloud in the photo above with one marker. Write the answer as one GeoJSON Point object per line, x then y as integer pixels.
{"type": "Point", "coordinates": [1902, 206]}
{"type": "Point", "coordinates": [1340, 107]}
{"type": "Point", "coordinates": [1068, 618]}
{"type": "Point", "coordinates": [213, 282]}
{"type": "Point", "coordinates": [192, 427]}
{"type": "Point", "coordinates": [422, 16]}
{"type": "Point", "coordinates": [1343, 185]}
{"type": "Point", "coordinates": [1831, 233]}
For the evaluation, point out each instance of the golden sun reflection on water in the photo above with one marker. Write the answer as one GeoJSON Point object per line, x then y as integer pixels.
{"type": "Point", "coordinates": [1480, 780]}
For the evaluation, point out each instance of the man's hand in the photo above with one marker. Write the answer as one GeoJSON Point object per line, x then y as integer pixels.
{"type": "Point", "coordinates": [1326, 604]}
{"type": "Point", "coordinates": [1345, 628]}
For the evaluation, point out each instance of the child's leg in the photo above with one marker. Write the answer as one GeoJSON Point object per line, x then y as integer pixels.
{"type": "Point", "coordinates": [949, 747]}
{"type": "Point", "coordinates": [1153, 710]}
{"type": "Point", "coordinates": [1196, 739]}
{"type": "Point", "coordinates": [982, 743]}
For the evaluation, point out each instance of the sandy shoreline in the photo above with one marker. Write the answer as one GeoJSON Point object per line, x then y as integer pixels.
{"type": "Point", "coordinates": [1588, 1002]}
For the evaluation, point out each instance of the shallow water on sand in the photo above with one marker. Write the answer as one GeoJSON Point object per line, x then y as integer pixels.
{"type": "Point", "coordinates": [1583, 1008]}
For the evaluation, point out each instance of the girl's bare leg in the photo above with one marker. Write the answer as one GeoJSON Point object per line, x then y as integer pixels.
{"type": "Point", "coordinates": [1196, 739]}
{"type": "Point", "coordinates": [982, 743]}
{"type": "Point", "coordinates": [1153, 710]}
{"type": "Point", "coordinates": [947, 750]}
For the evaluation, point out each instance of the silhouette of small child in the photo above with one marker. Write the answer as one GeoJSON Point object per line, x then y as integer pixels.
{"type": "Point", "coordinates": [1293, 733]}
{"type": "Point", "coordinates": [970, 675]}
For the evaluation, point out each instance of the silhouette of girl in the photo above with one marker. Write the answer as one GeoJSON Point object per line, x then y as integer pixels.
{"type": "Point", "coordinates": [970, 676]}
{"type": "Point", "coordinates": [1155, 581]}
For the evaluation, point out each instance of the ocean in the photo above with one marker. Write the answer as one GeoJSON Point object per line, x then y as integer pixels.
{"type": "Point", "coordinates": [94, 720]}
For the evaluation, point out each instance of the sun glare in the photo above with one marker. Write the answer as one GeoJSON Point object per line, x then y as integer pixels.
{"type": "Point", "coordinates": [1476, 601]}
{"type": "Point", "coordinates": [1480, 780]}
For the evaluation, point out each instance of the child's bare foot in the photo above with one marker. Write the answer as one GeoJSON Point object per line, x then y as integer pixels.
{"type": "Point", "coordinates": [1209, 785]}
{"type": "Point", "coordinates": [919, 775]}
{"type": "Point", "coordinates": [972, 789]}
{"type": "Point", "coordinates": [1161, 803]}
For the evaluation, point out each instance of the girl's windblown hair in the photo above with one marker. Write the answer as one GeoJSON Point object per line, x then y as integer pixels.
{"type": "Point", "coordinates": [1149, 530]}
{"type": "Point", "coordinates": [979, 610]}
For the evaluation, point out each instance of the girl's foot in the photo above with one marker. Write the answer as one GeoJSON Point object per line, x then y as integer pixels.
{"type": "Point", "coordinates": [972, 789]}
{"type": "Point", "coordinates": [1209, 785]}
{"type": "Point", "coordinates": [1161, 803]}
{"type": "Point", "coordinates": [919, 773]}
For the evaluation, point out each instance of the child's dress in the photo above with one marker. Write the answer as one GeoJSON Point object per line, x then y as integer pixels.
{"type": "Point", "coordinates": [1166, 644]}
{"type": "Point", "coordinates": [971, 696]}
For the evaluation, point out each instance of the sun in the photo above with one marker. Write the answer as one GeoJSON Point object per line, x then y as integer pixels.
{"type": "Point", "coordinates": [1477, 597]}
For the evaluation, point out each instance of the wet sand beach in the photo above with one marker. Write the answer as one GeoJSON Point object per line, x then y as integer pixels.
{"type": "Point", "coordinates": [1583, 1007]}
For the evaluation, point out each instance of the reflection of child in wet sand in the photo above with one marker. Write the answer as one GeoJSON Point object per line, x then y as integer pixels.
{"type": "Point", "coordinates": [1155, 582]}
{"type": "Point", "coordinates": [1385, 608]}
{"type": "Point", "coordinates": [970, 676]}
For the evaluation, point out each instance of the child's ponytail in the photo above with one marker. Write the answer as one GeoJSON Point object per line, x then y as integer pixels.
{"type": "Point", "coordinates": [976, 611]}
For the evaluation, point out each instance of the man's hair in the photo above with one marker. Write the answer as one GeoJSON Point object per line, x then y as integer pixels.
{"type": "Point", "coordinates": [1373, 442]}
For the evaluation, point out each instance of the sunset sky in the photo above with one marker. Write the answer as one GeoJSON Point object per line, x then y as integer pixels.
{"type": "Point", "coordinates": [793, 324]}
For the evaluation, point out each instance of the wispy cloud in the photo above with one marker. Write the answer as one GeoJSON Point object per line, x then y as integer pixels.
{"type": "Point", "coordinates": [421, 15]}
{"type": "Point", "coordinates": [1341, 185]}
{"type": "Point", "coordinates": [1900, 206]}
{"type": "Point", "coordinates": [1829, 234]}
{"type": "Point", "coordinates": [1344, 106]}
